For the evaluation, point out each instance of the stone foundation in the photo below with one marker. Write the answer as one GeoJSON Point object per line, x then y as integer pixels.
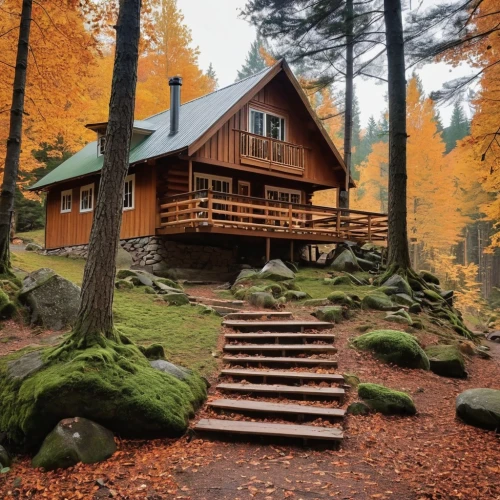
{"type": "Point", "coordinates": [169, 258]}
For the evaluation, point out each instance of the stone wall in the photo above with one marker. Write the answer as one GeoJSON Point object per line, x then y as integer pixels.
{"type": "Point", "coordinates": [164, 257]}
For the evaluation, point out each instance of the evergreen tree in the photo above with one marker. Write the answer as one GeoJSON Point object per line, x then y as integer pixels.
{"type": "Point", "coordinates": [254, 61]}
{"type": "Point", "coordinates": [458, 129]}
{"type": "Point", "coordinates": [212, 75]}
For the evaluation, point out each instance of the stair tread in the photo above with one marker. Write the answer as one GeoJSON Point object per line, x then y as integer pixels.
{"type": "Point", "coordinates": [281, 360]}
{"type": "Point", "coordinates": [260, 314]}
{"type": "Point", "coordinates": [268, 429]}
{"type": "Point", "coordinates": [268, 335]}
{"type": "Point", "coordinates": [292, 322]}
{"type": "Point", "coordinates": [280, 347]}
{"type": "Point", "coordinates": [284, 374]}
{"type": "Point", "coordinates": [277, 388]}
{"type": "Point", "coordinates": [283, 408]}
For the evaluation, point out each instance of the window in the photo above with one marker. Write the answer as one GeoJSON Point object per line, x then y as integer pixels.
{"type": "Point", "coordinates": [101, 145]}
{"type": "Point", "coordinates": [267, 124]}
{"type": "Point", "coordinates": [220, 184]}
{"type": "Point", "coordinates": [129, 193]}
{"type": "Point", "coordinates": [283, 195]}
{"type": "Point", "coordinates": [87, 198]}
{"type": "Point", "coordinates": [66, 201]}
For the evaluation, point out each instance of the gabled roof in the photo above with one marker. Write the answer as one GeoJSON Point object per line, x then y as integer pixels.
{"type": "Point", "coordinates": [198, 119]}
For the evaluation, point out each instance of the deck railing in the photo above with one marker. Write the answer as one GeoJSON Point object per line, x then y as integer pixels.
{"type": "Point", "coordinates": [207, 208]}
{"type": "Point", "coordinates": [272, 151]}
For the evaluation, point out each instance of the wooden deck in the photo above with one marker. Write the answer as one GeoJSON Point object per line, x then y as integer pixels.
{"type": "Point", "coordinates": [214, 212]}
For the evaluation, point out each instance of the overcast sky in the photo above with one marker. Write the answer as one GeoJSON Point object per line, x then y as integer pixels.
{"type": "Point", "coordinates": [224, 40]}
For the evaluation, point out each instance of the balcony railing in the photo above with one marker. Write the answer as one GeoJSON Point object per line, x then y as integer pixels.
{"type": "Point", "coordinates": [279, 155]}
{"type": "Point", "coordinates": [205, 209]}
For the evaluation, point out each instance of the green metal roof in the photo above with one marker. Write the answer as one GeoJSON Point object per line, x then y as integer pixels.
{"type": "Point", "coordinates": [196, 117]}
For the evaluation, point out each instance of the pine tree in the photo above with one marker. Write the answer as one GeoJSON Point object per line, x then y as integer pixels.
{"type": "Point", "coordinates": [254, 62]}
{"type": "Point", "coordinates": [212, 75]}
{"type": "Point", "coordinates": [458, 129]}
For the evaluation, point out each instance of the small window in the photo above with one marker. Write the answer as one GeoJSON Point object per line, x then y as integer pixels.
{"type": "Point", "coordinates": [66, 201]}
{"type": "Point", "coordinates": [267, 125]}
{"type": "Point", "coordinates": [101, 145]}
{"type": "Point", "coordinates": [87, 198]}
{"type": "Point", "coordinates": [129, 193]}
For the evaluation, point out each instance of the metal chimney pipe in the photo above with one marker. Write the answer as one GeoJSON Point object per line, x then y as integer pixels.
{"type": "Point", "coordinates": [175, 103]}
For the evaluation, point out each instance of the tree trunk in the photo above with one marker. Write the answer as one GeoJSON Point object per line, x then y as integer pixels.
{"type": "Point", "coordinates": [95, 317]}
{"type": "Point", "coordinates": [399, 255]}
{"type": "Point", "coordinates": [349, 91]}
{"type": "Point", "coordinates": [15, 134]}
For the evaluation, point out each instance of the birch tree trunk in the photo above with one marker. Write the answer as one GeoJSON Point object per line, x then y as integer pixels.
{"type": "Point", "coordinates": [399, 255]}
{"type": "Point", "coordinates": [95, 316]}
{"type": "Point", "coordinates": [349, 92]}
{"type": "Point", "coordinates": [11, 169]}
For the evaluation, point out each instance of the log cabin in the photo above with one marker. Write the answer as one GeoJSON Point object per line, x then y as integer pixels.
{"type": "Point", "coordinates": [219, 181]}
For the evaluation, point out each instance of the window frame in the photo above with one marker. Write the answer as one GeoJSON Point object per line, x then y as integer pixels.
{"type": "Point", "coordinates": [282, 190]}
{"type": "Point", "coordinates": [87, 187]}
{"type": "Point", "coordinates": [129, 178]}
{"type": "Point", "coordinates": [64, 193]}
{"type": "Point", "coordinates": [210, 177]}
{"type": "Point", "coordinates": [101, 144]}
{"type": "Point", "coordinates": [265, 113]}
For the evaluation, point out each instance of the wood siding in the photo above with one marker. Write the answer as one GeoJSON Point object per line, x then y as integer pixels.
{"type": "Point", "coordinates": [73, 228]}
{"type": "Point", "coordinates": [279, 97]}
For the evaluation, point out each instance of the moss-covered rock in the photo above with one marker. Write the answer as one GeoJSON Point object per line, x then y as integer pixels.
{"type": "Point", "coordinates": [275, 289]}
{"type": "Point", "coordinates": [379, 302]}
{"type": "Point", "coordinates": [415, 308]}
{"type": "Point", "coordinates": [342, 298]}
{"type": "Point", "coordinates": [428, 277]}
{"type": "Point", "coordinates": [400, 320]}
{"type": "Point", "coordinates": [433, 296]}
{"type": "Point", "coordinates": [446, 360]}
{"type": "Point", "coordinates": [341, 280]}
{"type": "Point", "coordinates": [149, 290]}
{"type": "Point", "coordinates": [111, 384]}
{"type": "Point", "coordinates": [398, 282]}
{"type": "Point", "coordinates": [7, 308]}
{"type": "Point", "coordinates": [123, 285]}
{"type": "Point", "coordinates": [276, 270]}
{"type": "Point", "coordinates": [385, 400]}
{"type": "Point", "coordinates": [351, 380]}
{"type": "Point", "coordinates": [316, 302]}
{"type": "Point", "coordinates": [176, 299]}
{"type": "Point", "coordinates": [125, 273]}
{"type": "Point", "coordinates": [75, 440]}
{"type": "Point", "coordinates": [262, 299]}
{"type": "Point", "coordinates": [294, 295]}
{"type": "Point", "coordinates": [169, 283]}
{"type": "Point", "coordinates": [332, 314]}
{"type": "Point", "coordinates": [346, 261]}
{"type": "Point", "coordinates": [387, 290]}
{"type": "Point", "coordinates": [395, 347]}
{"type": "Point", "coordinates": [153, 351]}
{"type": "Point", "coordinates": [358, 408]}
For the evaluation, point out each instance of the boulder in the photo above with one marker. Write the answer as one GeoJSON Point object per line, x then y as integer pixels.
{"type": "Point", "coordinates": [178, 372]}
{"type": "Point", "coordinates": [428, 277]}
{"type": "Point", "coordinates": [5, 459]}
{"type": "Point", "coordinates": [176, 299]}
{"type": "Point", "coordinates": [316, 302]}
{"type": "Point", "coordinates": [378, 302]}
{"type": "Point", "coordinates": [333, 314]}
{"type": "Point", "coordinates": [432, 296]}
{"type": "Point", "coordinates": [386, 401]}
{"type": "Point", "coordinates": [480, 407]}
{"type": "Point", "coordinates": [246, 274]}
{"type": "Point", "coordinates": [341, 280]}
{"type": "Point", "coordinates": [358, 408]}
{"type": "Point", "coordinates": [125, 273]}
{"type": "Point", "coordinates": [123, 285]}
{"type": "Point", "coordinates": [262, 299]}
{"type": "Point", "coordinates": [24, 366]}
{"type": "Point", "coordinates": [141, 280]}
{"type": "Point", "coordinates": [123, 259]}
{"type": "Point", "coordinates": [276, 270]}
{"type": "Point", "coordinates": [446, 360]}
{"type": "Point", "coordinates": [400, 283]}
{"type": "Point", "coordinates": [351, 380]}
{"type": "Point", "coordinates": [166, 282]}
{"type": "Point", "coordinates": [339, 297]}
{"type": "Point", "coordinates": [403, 299]}
{"type": "Point", "coordinates": [346, 261]}
{"type": "Point", "coordinates": [153, 351]}
{"type": "Point", "coordinates": [366, 265]}
{"type": "Point", "coordinates": [53, 301]}
{"type": "Point", "coordinates": [399, 319]}
{"type": "Point", "coordinates": [72, 441]}
{"type": "Point", "coordinates": [294, 295]}
{"type": "Point", "coordinates": [33, 247]}
{"type": "Point", "coordinates": [395, 347]}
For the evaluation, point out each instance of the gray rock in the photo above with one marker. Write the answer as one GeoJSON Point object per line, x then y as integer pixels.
{"type": "Point", "coordinates": [123, 259]}
{"type": "Point", "coordinates": [165, 366]}
{"type": "Point", "coordinates": [166, 288]}
{"type": "Point", "coordinates": [400, 283]}
{"type": "Point", "coordinates": [52, 300]}
{"type": "Point", "coordinates": [346, 261]}
{"type": "Point", "coordinates": [25, 365]}
{"type": "Point", "coordinates": [5, 460]}
{"type": "Point", "coordinates": [143, 279]}
{"type": "Point", "coordinates": [316, 302]}
{"type": "Point", "coordinates": [480, 407]}
{"type": "Point", "coordinates": [394, 318]}
{"type": "Point", "coordinates": [33, 247]}
{"type": "Point", "coordinates": [75, 440]}
{"type": "Point", "coordinates": [295, 295]}
{"type": "Point", "coordinates": [276, 270]}
{"type": "Point", "coordinates": [262, 299]}
{"type": "Point", "coordinates": [403, 299]}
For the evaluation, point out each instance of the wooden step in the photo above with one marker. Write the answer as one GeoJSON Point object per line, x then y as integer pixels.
{"type": "Point", "coordinates": [217, 302]}
{"type": "Point", "coordinates": [276, 326]}
{"type": "Point", "coordinates": [275, 389]}
{"type": "Point", "coordinates": [266, 336]}
{"type": "Point", "coordinates": [260, 315]}
{"type": "Point", "coordinates": [238, 405]}
{"type": "Point", "coordinates": [323, 377]}
{"type": "Point", "coordinates": [266, 429]}
{"type": "Point", "coordinates": [301, 348]}
{"type": "Point", "coordinates": [268, 360]}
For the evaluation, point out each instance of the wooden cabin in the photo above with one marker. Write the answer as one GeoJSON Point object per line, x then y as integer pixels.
{"type": "Point", "coordinates": [235, 169]}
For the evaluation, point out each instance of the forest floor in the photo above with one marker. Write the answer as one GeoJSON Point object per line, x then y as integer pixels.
{"type": "Point", "coordinates": [432, 455]}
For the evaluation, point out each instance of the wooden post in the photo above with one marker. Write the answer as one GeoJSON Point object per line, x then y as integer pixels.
{"type": "Point", "coordinates": [338, 222]}
{"type": "Point", "coordinates": [290, 218]}
{"type": "Point", "coordinates": [370, 228]}
{"type": "Point", "coordinates": [209, 207]}
{"type": "Point", "coordinates": [268, 249]}
{"type": "Point", "coordinates": [291, 250]}
{"type": "Point", "coordinates": [190, 180]}
{"type": "Point", "coordinates": [158, 213]}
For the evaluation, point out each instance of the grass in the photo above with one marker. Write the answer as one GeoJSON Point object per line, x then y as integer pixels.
{"type": "Point", "coordinates": [189, 337]}
{"type": "Point", "coordinates": [37, 236]}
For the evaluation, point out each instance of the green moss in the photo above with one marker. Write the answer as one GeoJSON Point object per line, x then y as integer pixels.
{"type": "Point", "coordinates": [341, 280]}
{"type": "Point", "coordinates": [170, 283]}
{"type": "Point", "coordinates": [153, 351]}
{"type": "Point", "coordinates": [433, 296]}
{"type": "Point", "coordinates": [262, 299]}
{"type": "Point", "coordinates": [385, 400]}
{"type": "Point", "coordinates": [275, 289]}
{"type": "Point", "coordinates": [446, 360]}
{"type": "Point", "coordinates": [176, 299]}
{"type": "Point", "coordinates": [351, 379]}
{"type": "Point", "coordinates": [113, 385]}
{"type": "Point", "coordinates": [332, 314]}
{"type": "Point", "coordinates": [125, 273]}
{"type": "Point", "coordinates": [429, 277]}
{"type": "Point", "coordinates": [395, 347]}
{"type": "Point", "coordinates": [339, 297]}
{"type": "Point", "coordinates": [378, 302]}
{"type": "Point", "coordinates": [295, 295]}
{"type": "Point", "coordinates": [358, 408]}
{"type": "Point", "coordinates": [123, 285]}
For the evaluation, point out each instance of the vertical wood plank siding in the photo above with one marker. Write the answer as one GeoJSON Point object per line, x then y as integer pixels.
{"type": "Point", "coordinates": [73, 228]}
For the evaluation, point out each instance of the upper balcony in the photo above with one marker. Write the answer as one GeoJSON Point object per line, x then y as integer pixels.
{"type": "Point", "coordinates": [271, 154]}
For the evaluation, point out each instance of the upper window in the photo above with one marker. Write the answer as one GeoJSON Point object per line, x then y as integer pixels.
{"type": "Point", "coordinates": [283, 195]}
{"type": "Point", "coordinates": [267, 124]}
{"type": "Point", "coordinates": [66, 201]}
{"type": "Point", "coordinates": [101, 145]}
{"type": "Point", "coordinates": [87, 198]}
{"type": "Point", "coordinates": [129, 193]}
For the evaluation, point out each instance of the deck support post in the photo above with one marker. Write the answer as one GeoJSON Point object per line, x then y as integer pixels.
{"type": "Point", "coordinates": [190, 173]}
{"type": "Point", "coordinates": [268, 249]}
{"type": "Point", "coordinates": [291, 250]}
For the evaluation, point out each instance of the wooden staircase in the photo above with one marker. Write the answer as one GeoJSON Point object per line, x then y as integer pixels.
{"type": "Point", "coordinates": [281, 369]}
